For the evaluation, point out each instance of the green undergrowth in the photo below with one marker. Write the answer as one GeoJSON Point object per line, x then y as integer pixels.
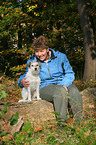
{"type": "Point", "coordinates": [69, 133]}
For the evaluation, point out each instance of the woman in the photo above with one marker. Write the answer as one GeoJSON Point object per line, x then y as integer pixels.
{"type": "Point", "coordinates": [57, 78]}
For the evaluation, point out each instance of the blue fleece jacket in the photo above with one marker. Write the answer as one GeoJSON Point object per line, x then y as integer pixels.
{"type": "Point", "coordinates": [57, 70]}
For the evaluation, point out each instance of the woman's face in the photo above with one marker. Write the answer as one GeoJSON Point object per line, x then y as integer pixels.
{"type": "Point", "coordinates": [42, 54]}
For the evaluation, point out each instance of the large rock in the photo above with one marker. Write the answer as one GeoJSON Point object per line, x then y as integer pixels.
{"type": "Point", "coordinates": [89, 101]}
{"type": "Point", "coordinates": [37, 112]}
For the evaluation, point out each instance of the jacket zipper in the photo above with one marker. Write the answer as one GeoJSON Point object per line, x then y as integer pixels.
{"type": "Point", "coordinates": [48, 70]}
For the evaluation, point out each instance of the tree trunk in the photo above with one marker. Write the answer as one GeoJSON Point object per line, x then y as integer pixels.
{"type": "Point", "coordinates": [89, 45]}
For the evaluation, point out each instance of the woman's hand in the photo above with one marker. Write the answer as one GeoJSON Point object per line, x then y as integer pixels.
{"type": "Point", "coordinates": [25, 83]}
{"type": "Point", "coordinates": [65, 89]}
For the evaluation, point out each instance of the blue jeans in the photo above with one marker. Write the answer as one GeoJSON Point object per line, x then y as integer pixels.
{"type": "Point", "coordinates": [57, 95]}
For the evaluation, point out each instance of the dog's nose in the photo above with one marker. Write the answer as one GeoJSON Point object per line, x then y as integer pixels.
{"type": "Point", "coordinates": [35, 68]}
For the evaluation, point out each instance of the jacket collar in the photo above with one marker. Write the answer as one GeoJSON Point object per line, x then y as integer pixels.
{"type": "Point", "coordinates": [53, 54]}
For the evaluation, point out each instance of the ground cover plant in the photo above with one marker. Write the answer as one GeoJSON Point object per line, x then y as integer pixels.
{"type": "Point", "coordinates": [71, 132]}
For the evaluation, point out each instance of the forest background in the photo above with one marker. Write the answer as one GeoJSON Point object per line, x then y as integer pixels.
{"type": "Point", "coordinates": [70, 26]}
{"type": "Point", "coordinates": [59, 20]}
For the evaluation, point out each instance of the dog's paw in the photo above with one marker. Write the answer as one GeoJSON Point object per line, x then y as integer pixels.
{"type": "Point", "coordinates": [39, 98]}
{"type": "Point", "coordinates": [22, 100]}
{"type": "Point", "coordinates": [34, 99]}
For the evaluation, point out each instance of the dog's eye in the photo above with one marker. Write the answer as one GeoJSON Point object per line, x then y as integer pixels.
{"type": "Point", "coordinates": [32, 65]}
{"type": "Point", "coordinates": [37, 65]}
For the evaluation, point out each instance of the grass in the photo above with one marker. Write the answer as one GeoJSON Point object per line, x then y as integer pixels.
{"type": "Point", "coordinates": [84, 134]}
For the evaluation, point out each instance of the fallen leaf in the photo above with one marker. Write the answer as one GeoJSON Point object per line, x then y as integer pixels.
{"type": "Point", "coordinates": [39, 128]}
{"type": "Point", "coordinates": [91, 106]}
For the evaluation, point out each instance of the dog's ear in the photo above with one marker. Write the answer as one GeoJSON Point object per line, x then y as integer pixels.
{"type": "Point", "coordinates": [29, 64]}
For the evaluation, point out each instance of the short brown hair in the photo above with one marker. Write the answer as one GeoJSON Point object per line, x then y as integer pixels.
{"type": "Point", "coordinates": [40, 42]}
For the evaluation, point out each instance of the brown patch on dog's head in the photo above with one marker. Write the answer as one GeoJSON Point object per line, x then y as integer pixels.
{"type": "Point", "coordinates": [28, 65]}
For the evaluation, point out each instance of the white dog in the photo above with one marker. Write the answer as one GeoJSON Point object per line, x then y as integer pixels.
{"type": "Point", "coordinates": [29, 94]}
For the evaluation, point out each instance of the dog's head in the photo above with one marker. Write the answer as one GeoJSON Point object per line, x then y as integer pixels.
{"type": "Point", "coordinates": [34, 67]}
